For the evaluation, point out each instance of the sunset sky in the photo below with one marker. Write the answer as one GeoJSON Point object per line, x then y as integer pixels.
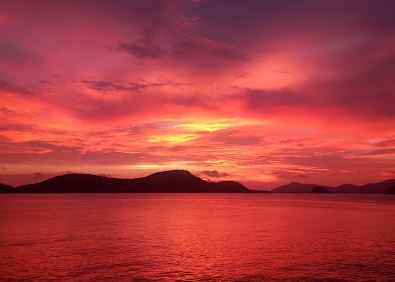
{"type": "Point", "coordinates": [263, 92]}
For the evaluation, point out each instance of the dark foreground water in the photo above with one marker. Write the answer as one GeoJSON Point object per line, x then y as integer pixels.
{"type": "Point", "coordinates": [197, 237]}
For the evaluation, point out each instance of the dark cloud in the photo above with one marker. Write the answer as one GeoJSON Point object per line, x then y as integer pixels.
{"type": "Point", "coordinates": [185, 50]}
{"type": "Point", "coordinates": [206, 53]}
{"type": "Point", "coordinates": [17, 127]}
{"type": "Point", "coordinates": [146, 12]}
{"type": "Point", "coordinates": [141, 49]}
{"type": "Point", "coordinates": [276, 98]}
{"type": "Point", "coordinates": [385, 143]}
{"type": "Point", "coordinates": [15, 89]}
{"type": "Point", "coordinates": [123, 86]}
{"type": "Point", "coordinates": [234, 137]}
{"type": "Point", "coordinates": [37, 146]}
{"type": "Point", "coordinates": [5, 110]}
{"type": "Point", "coordinates": [90, 107]}
{"type": "Point", "coordinates": [282, 20]}
{"type": "Point", "coordinates": [387, 151]}
{"type": "Point", "coordinates": [214, 173]}
{"type": "Point", "coordinates": [102, 85]}
{"type": "Point", "coordinates": [366, 93]}
{"type": "Point", "coordinates": [50, 153]}
{"type": "Point", "coordinates": [290, 174]}
{"type": "Point", "coordinates": [16, 53]}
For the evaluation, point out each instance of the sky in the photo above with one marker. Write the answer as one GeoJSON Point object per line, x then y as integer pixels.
{"type": "Point", "coordinates": [262, 92]}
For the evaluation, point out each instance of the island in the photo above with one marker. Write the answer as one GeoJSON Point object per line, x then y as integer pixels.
{"type": "Point", "coordinates": [180, 181]}
{"type": "Point", "coordinates": [391, 190]}
{"type": "Point", "coordinates": [319, 190]}
{"type": "Point", "coordinates": [382, 187]}
{"type": "Point", "coordinates": [173, 181]}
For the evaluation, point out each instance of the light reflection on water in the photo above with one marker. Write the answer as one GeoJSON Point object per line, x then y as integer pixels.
{"type": "Point", "coordinates": [195, 237]}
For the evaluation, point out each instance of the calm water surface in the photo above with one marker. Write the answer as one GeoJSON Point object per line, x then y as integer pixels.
{"type": "Point", "coordinates": [197, 237]}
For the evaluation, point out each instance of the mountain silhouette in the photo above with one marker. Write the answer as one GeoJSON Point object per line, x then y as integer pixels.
{"type": "Point", "coordinates": [173, 181]}
{"type": "Point", "coordinates": [391, 190]}
{"type": "Point", "coordinates": [346, 188]}
{"type": "Point", "coordinates": [319, 190]}
{"type": "Point", "coordinates": [294, 187]}
{"type": "Point", "coordinates": [179, 181]}
{"type": "Point", "coordinates": [371, 188]}
{"type": "Point", "coordinates": [4, 188]}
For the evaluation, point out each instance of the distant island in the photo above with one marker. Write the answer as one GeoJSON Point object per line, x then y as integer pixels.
{"type": "Point", "coordinates": [383, 187]}
{"type": "Point", "coordinates": [391, 190]}
{"type": "Point", "coordinates": [179, 181]}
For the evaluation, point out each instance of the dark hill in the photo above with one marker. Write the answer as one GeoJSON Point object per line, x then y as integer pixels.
{"type": "Point", "coordinates": [173, 181]}
{"type": "Point", "coordinates": [4, 188]}
{"type": "Point", "coordinates": [294, 187]}
{"type": "Point", "coordinates": [380, 187]}
{"type": "Point", "coordinates": [391, 190]}
{"type": "Point", "coordinates": [319, 190]}
{"type": "Point", "coordinates": [346, 188]}
{"type": "Point", "coordinates": [371, 188]}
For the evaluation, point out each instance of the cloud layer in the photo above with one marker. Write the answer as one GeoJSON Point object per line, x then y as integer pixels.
{"type": "Point", "coordinates": [265, 92]}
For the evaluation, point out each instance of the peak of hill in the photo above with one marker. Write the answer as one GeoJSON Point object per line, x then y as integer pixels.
{"type": "Point", "coordinates": [172, 173]}
{"type": "Point", "coordinates": [175, 177]}
{"type": "Point", "coordinates": [173, 181]}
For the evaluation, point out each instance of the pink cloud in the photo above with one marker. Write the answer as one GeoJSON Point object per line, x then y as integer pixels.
{"type": "Point", "coordinates": [266, 91]}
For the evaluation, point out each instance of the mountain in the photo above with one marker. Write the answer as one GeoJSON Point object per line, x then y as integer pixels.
{"type": "Point", "coordinates": [319, 190]}
{"type": "Point", "coordinates": [380, 187]}
{"type": "Point", "coordinates": [346, 188]}
{"type": "Point", "coordinates": [6, 188]}
{"type": "Point", "coordinates": [173, 181]}
{"type": "Point", "coordinates": [294, 187]}
{"type": "Point", "coordinates": [391, 190]}
{"type": "Point", "coordinates": [371, 188]}
{"type": "Point", "coordinates": [178, 181]}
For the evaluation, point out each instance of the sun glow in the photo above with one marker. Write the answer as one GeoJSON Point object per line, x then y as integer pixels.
{"type": "Point", "coordinates": [173, 138]}
{"type": "Point", "coordinates": [210, 125]}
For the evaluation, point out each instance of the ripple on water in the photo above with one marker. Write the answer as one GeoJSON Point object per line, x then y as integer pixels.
{"type": "Point", "coordinates": [197, 237]}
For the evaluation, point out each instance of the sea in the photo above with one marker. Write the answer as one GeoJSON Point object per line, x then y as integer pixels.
{"type": "Point", "coordinates": [197, 237]}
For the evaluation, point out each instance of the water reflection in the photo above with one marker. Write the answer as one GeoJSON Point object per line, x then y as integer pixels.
{"type": "Point", "coordinates": [219, 237]}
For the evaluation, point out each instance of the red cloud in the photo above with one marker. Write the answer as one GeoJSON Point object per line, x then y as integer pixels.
{"type": "Point", "coordinates": [268, 91]}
